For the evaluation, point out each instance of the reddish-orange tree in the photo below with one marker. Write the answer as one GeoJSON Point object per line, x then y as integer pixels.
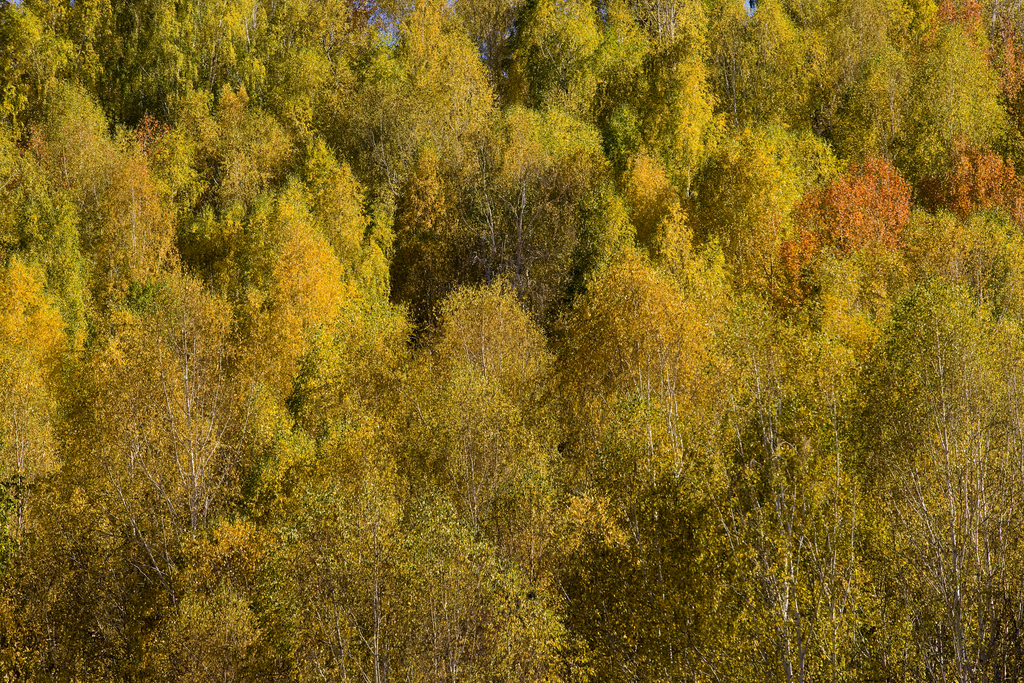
{"type": "Point", "coordinates": [865, 208]}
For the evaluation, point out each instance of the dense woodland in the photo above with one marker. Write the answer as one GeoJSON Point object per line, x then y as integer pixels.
{"type": "Point", "coordinates": [511, 340]}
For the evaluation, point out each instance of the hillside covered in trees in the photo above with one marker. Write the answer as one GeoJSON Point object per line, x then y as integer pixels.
{"type": "Point", "coordinates": [511, 340]}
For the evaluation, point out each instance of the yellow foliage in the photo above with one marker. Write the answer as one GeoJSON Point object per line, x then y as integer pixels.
{"type": "Point", "coordinates": [657, 214]}
{"type": "Point", "coordinates": [31, 342]}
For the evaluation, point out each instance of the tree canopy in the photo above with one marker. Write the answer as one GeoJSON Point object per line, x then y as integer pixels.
{"type": "Point", "coordinates": [511, 340]}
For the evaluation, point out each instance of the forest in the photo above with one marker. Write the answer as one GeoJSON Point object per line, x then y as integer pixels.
{"type": "Point", "coordinates": [511, 340]}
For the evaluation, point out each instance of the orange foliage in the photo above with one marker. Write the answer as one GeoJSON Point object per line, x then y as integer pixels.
{"type": "Point", "coordinates": [966, 14]}
{"type": "Point", "coordinates": [1010, 68]}
{"type": "Point", "coordinates": [795, 255]}
{"type": "Point", "coordinates": [866, 208]}
{"type": "Point", "coordinates": [981, 180]}
{"type": "Point", "coordinates": [149, 132]}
